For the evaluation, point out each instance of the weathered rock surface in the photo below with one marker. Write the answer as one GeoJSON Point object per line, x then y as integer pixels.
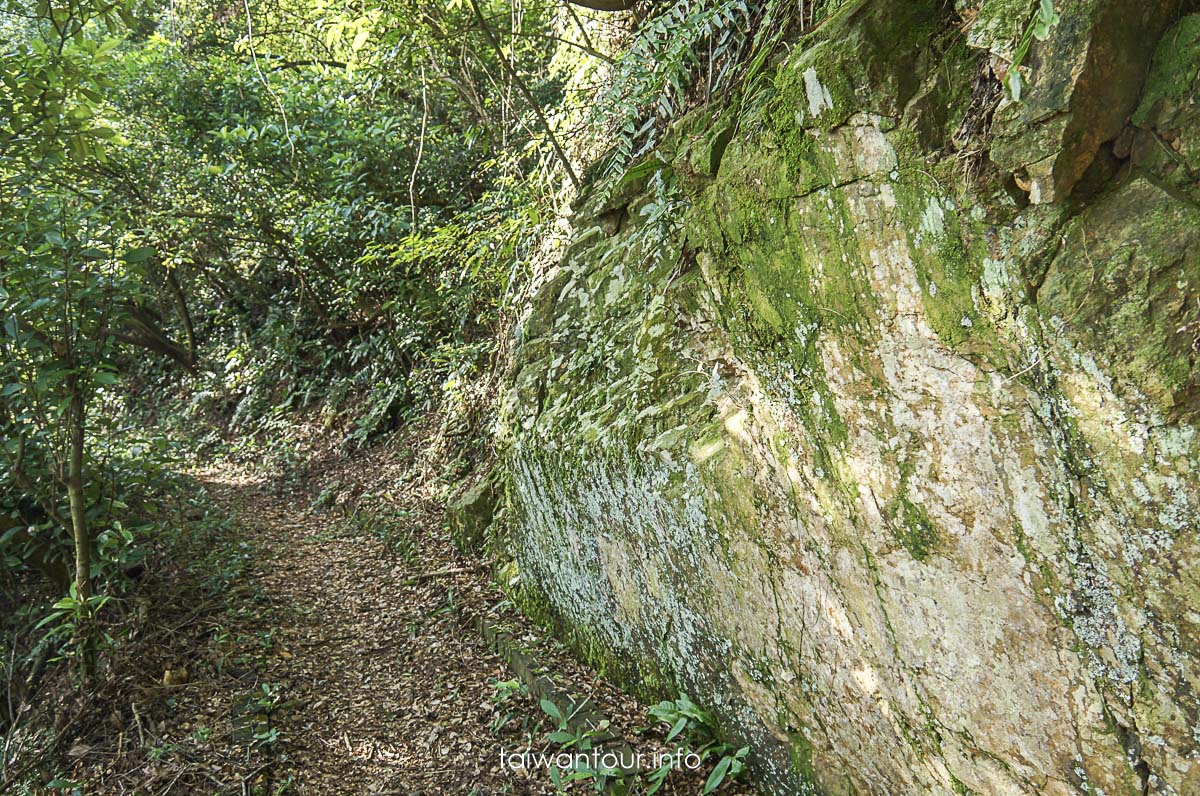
{"type": "Point", "coordinates": [891, 467]}
{"type": "Point", "coordinates": [471, 513]}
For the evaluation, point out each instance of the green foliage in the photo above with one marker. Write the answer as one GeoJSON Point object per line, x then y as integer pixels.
{"type": "Point", "coordinates": [688, 53]}
{"type": "Point", "coordinates": [338, 243]}
{"type": "Point", "coordinates": [266, 701]}
{"type": "Point", "coordinates": [583, 740]}
{"type": "Point", "coordinates": [72, 280]}
{"type": "Point", "coordinates": [692, 730]}
{"type": "Point", "coordinates": [689, 721]}
{"type": "Point", "coordinates": [70, 614]}
{"type": "Point", "coordinates": [1043, 20]}
{"type": "Point", "coordinates": [692, 52]}
{"type": "Point", "coordinates": [654, 77]}
{"type": "Point", "coordinates": [54, 72]}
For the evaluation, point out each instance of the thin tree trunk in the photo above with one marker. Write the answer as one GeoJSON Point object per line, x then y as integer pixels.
{"type": "Point", "coordinates": [185, 317]}
{"type": "Point", "coordinates": [79, 528]}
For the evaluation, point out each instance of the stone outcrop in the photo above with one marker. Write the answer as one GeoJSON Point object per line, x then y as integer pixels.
{"type": "Point", "coordinates": [869, 420]}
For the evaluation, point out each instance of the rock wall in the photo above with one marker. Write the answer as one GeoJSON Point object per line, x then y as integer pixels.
{"type": "Point", "coordinates": [877, 433]}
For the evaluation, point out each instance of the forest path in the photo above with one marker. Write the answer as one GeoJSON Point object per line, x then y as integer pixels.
{"type": "Point", "coordinates": [377, 684]}
{"type": "Point", "coordinates": [325, 644]}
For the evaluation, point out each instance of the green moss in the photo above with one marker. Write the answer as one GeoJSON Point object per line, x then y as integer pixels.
{"type": "Point", "coordinates": [809, 166]}
{"type": "Point", "coordinates": [702, 141]}
{"type": "Point", "coordinates": [733, 505]}
{"type": "Point", "coordinates": [1044, 579]}
{"type": "Point", "coordinates": [999, 24]}
{"type": "Point", "coordinates": [914, 530]}
{"type": "Point", "coordinates": [910, 524]}
{"type": "Point", "coordinates": [865, 58]}
{"type": "Point", "coordinates": [1173, 70]}
{"type": "Point", "coordinates": [1125, 286]}
{"type": "Point", "coordinates": [640, 676]}
{"type": "Point", "coordinates": [787, 273]}
{"type": "Point", "coordinates": [800, 750]}
{"type": "Point", "coordinates": [935, 115]}
{"type": "Point", "coordinates": [959, 787]}
{"type": "Point", "coordinates": [948, 251]}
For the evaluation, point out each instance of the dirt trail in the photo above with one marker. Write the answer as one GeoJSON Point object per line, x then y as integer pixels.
{"type": "Point", "coordinates": [383, 687]}
{"type": "Point", "coordinates": [320, 644]}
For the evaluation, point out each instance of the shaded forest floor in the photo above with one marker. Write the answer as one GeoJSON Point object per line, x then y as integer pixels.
{"type": "Point", "coordinates": [335, 654]}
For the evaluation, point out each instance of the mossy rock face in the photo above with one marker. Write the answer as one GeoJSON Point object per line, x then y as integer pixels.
{"type": "Point", "coordinates": [871, 56]}
{"type": "Point", "coordinates": [1125, 285]}
{"type": "Point", "coordinates": [894, 473]}
{"type": "Point", "coordinates": [1166, 141]}
{"type": "Point", "coordinates": [1173, 73]}
{"type": "Point", "coordinates": [1081, 86]}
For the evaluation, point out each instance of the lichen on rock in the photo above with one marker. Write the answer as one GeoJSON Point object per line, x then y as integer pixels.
{"type": "Point", "coordinates": [895, 471]}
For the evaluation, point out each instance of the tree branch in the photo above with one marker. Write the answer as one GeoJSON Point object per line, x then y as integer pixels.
{"type": "Point", "coordinates": [537, 109]}
{"type": "Point", "coordinates": [308, 62]}
{"type": "Point", "coordinates": [606, 5]}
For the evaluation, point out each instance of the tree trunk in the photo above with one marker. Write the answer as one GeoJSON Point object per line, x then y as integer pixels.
{"type": "Point", "coordinates": [79, 528]}
{"type": "Point", "coordinates": [185, 317]}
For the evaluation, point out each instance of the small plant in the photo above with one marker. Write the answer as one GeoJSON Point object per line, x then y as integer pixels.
{"type": "Point", "coordinates": [1044, 19]}
{"type": "Point", "coordinates": [267, 738]}
{"type": "Point", "coordinates": [504, 691]}
{"type": "Point", "coordinates": [328, 496]}
{"type": "Point", "coordinates": [729, 766]}
{"type": "Point", "coordinates": [71, 620]}
{"type": "Point", "coordinates": [403, 544]}
{"type": "Point", "coordinates": [583, 739]}
{"type": "Point", "coordinates": [116, 550]}
{"type": "Point", "coordinates": [448, 607]}
{"type": "Point", "coordinates": [267, 700]}
{"type": "Point", "coordinates": [687, 720]}
{"type": "Point", "coordinates": [159, 752]}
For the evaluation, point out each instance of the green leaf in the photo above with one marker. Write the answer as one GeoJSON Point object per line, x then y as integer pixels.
{"type": "Point", "coordinates": [718, 774]}
{"type": "Point", "coordinates": [139, 255]}
{"type": "Point", "coordinates": [679, 727]}
{"type": "Point", "coordinates": [62, 783]}
{"type": "Point", "coordinates": [551, 709]}
{"type": "Point", "coordinates": [1013, 82]}
{"type": "Point", "coordinates": [49, 618]}
{"type": "Point", "coordinates": [78, 148]}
